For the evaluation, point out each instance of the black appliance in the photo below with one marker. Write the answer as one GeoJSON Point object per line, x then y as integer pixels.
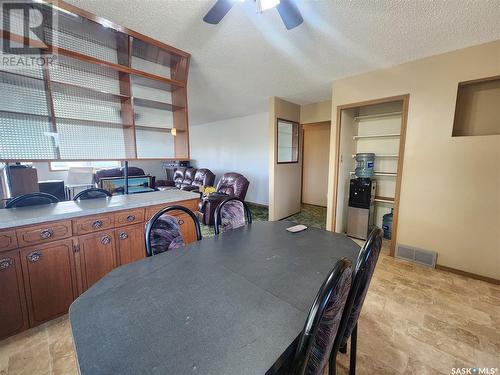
{"type": "Point", "coordinates": [360, 214]}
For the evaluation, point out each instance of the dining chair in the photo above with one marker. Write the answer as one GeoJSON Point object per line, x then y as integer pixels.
{"type": "Point", "coordinates": [31, 199]}
{"type": "Point", "coordinates": [365, 266]}
{"type": "Point", "coordinates": [322, 325]}
{"type": "Point", "coordinates": [92, 193]}
{"type": "Point", "coordinates": [231, 214]}
{"type": "Point", "coordinates": [163, 231]}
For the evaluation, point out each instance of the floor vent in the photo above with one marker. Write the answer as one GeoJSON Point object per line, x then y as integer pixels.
{"type": "Point", "coordinates": [413, 254]}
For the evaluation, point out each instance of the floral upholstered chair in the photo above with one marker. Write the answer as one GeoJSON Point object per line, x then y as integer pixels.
{"type": "Point", "coordinates": [163, 231]}
{"type": "Point", "coordinates": [231, 213]}
{"type": "Point", "coordinates": [322, 325]}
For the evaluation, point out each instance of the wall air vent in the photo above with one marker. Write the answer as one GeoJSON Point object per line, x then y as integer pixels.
{"type": "Point", "coordinates": [424, 257]}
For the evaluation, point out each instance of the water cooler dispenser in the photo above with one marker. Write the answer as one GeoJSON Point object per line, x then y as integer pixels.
{"type": "Point", "coordinates": [360, 214]}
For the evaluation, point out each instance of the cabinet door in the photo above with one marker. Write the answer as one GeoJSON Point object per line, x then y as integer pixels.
{"type": "Point", "coordinates": [97, 256]}
{"type": "Point", "coordinates": [13, 312]}
{"type": "Point", "coordinates": [130, 244]}
{"type": "Point", "coordinates": [49, 277]}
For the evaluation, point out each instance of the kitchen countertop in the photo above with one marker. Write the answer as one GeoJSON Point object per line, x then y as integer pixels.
{"type": "Point", "coordinates": [16, 217]}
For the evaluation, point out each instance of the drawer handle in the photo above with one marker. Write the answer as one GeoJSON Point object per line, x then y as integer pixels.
{"type": "Point", "coordinates": [180, 221]}
{"type": "Point", "coordinates": [123, 235]}
{"type": "Point", "coordinates": [130, 218]}
{"type": "Point", "coordinates": [46, 233]}
{"type": "Point", "coordinates": [97, 224]}
{"type": "Point", "coordinates": [105, 240]}
{"type": "Point", "coordinates": [6, 263]}
{"type": "Point", "coordinates": [34, 256]}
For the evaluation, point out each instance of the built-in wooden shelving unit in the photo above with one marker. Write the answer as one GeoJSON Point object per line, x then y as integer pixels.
{"type": "Point", "coordinates": [110, 94]}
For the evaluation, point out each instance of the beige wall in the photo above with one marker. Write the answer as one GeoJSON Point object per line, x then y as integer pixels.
{"type": "Point", "coordinates": [450, 196]}
{"type": "Point", "coordinates": [315, 165]}
{"type": "Point", "coordinates": [284, 179]}
{"type": "Point", "coordinates": [316, 112]}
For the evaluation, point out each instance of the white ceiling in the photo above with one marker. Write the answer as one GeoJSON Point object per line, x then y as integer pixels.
{"type": "Point", "coordinates": [248, 57]}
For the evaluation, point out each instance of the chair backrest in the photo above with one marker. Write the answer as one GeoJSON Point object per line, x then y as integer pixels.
{"type": "Point", "coordinates": [203, 177]}
{"type": "Point", "coordinates": [233, 184]}
{"type": "Point", "coordinates": [365, 266]}
{"type": "Point", "coordinates": [31, 199]}
{"type": "Point", "coordinates": [231, 214]}
{"type": "Point", "coordinates": [179, 176]}
{"type": "Point", "coordinates": [92, 193]}
{"type": "Point", "coordinates": [163, 231]}
{"type": "Point", "coordinates": [322, 324]}
{"type": "Point", "coordinates": [80, 175]}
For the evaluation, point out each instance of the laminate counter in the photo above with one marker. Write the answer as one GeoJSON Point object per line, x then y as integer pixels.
{"type": "Point", "coordinates": [16, 217]}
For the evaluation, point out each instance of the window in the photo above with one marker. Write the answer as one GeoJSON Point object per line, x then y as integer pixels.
{"type": "Point", "coordinates": [65, 165]}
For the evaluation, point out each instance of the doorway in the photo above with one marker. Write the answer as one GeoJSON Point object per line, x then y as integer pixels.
{"type": "Point", "coordinates": [377, 127]}
{"type": "Point", "coordinates": [316, 150]}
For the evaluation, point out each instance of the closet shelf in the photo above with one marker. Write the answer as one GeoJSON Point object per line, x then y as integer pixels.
{"type": "Point", "coordinates": [395, 156]}
{"type": "Point", "coordinates": [381, 174]}
{"type": "Point", "coordinates": [380, 115]}
{"type": "Point", "coordinates": [384, 200]}
{"type": "Point", "coordinates": [356, 137]}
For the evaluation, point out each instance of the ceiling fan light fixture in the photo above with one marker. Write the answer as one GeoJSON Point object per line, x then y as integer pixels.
{"type": "Point", "coordinates": [263, 5]}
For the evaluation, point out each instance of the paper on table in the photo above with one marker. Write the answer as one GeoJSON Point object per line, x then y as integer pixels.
{"type": "Point", "coordinates": [296, 228]}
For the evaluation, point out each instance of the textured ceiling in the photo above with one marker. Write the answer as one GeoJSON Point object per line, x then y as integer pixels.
{"type": "Point", "coordinates": [237, 65]}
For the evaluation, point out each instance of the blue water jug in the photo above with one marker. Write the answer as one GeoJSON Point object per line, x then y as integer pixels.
{"type": "Point", "coordinates": [387, 225]}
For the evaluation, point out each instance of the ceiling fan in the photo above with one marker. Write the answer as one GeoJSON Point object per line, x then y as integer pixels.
{"type": "Point", "coordinates": [287, 9]}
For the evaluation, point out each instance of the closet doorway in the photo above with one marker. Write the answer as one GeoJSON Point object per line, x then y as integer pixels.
{"type": "Point", "coordinates": [378, 127]}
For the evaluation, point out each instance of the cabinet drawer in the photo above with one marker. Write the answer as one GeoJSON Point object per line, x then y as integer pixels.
{"type": "Point", "coordinates": [129, 217]}
{"type": "Point", "coordinates": [43, 233]}
{"type": "Point", "coordinates": [92, 224]}
{"type": "Point", "coordinates": [8, 240]}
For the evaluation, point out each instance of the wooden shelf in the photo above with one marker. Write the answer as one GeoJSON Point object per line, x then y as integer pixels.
{"type": "Point", "coordinates": [380, 115]}
{"type": "Point", "coordinates": [17, 113]}
{"type": "Point", "coordinates": [155, 104]}
{"type": "Point", "coordinates": [356, 137]}
{"type": "Point", "coordinates": [394, 156]}
{"type": "Point", "coordinates": [157, 129]}
{"type": "Point", "coordinates": [70, 89]}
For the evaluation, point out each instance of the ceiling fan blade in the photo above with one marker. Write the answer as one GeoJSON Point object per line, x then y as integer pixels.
{"type": "Point", "coordinates": [289, 13]}
{"type": "Point", "coordinates": [218, 11]}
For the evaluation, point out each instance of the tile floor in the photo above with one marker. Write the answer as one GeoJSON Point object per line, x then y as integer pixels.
{"type": "Point", "coordinates": [415, 320]}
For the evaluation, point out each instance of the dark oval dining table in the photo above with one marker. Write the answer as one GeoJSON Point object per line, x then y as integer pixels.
{"type": "Point", "coordinates": [230, 304]}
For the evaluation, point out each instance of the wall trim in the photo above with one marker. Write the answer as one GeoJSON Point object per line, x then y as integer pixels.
{"type": "Point", "coordinates": [475, 276]}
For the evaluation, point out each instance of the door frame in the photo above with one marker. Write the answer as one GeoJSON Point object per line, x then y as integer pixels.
{"type": "Point", "coordinates": [405, 98]}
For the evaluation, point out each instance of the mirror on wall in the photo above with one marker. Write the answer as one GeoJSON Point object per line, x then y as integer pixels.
{"type": "Point", "coordinates": [287, 141]}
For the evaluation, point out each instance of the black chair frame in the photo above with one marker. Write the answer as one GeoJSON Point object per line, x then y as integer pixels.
{"type": "Point", "coordinates": [83, 193]}
{"type": "Point", "coordinates": [218, 215]}
{"type": "Point", "coordinates": [150, 225]}
{"type": "Point", "coordinates": [316, 312]}
{"type": "Point", "coordinates": [356, 287]}
{"type": "Point", "coordinates": [42, 196]}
